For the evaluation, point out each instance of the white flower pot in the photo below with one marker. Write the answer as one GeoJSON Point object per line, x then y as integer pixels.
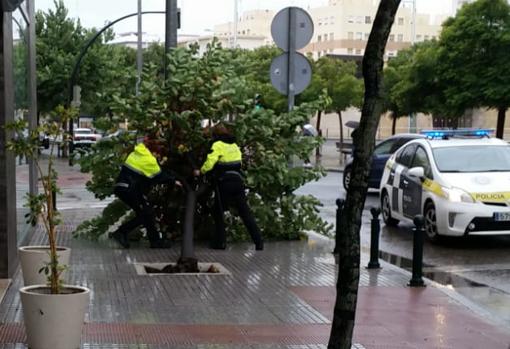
{"type": "Point", "coordinates": [54, 321]}
{"type": "Point", "coordinates": [33, 258]}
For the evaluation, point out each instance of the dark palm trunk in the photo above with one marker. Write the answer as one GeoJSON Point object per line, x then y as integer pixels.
{"type": "Point", "coordinates": [393, 123]}
{"type": "Point", "coordinates": [350, 222]}
{"type": "Point", "coordinates": [318, 127]}
{"type": "Point", "coordinates": [500, 130]}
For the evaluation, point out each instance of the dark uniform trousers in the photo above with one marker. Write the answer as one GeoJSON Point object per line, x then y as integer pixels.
{"type": "Point", "coordinates": [143, 214]}
{"type": "Point", "coordinates": [229, 192]}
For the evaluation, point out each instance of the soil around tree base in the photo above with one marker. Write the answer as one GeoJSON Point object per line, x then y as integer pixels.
{"type": "Point", "coordinates": [183, 266]}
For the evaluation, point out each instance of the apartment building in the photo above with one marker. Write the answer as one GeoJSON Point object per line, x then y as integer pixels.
{"type": "Point", "coordinates": [343, 26]}
{"type": "Point", "coordinates": [251, 23]}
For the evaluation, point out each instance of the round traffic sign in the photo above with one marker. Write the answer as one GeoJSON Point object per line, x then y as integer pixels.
{"type": "Point", "coordinates": [279, 73]}
{"type": "Point", "coordinates": [302, 29]}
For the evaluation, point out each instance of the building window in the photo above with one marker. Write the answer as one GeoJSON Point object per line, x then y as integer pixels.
{"type": "Point", "coordinates": [349, 51]}
{"type": "Point", "coordinates": [325, 37]}
{"type": "Point", "coordinates": [391, 54]}
{"type": "Point", "coordinates": [330, 50]}
{"type": "Point", "coordinates": [400, 37]}
{"type": "Point", "coordinates": [331, 36]}
{"type": "Point", "coordinates": [366, 36]}
{"type": "Point", "coordinates": [368, 20]}
{"type": "Point", "coordinates": [418, 37]}
{"type": "Point", "coordinates": [350, 19]}
{"type": "Point", "coordinates": [392, 37]}
{"type": "Point", "coordinates": [359, 19]}
{"type": "Point", "coordinates": [426, 37]}
{"type": "Point", "coordinates": [350, 35]}
{"type": "Point", "coordinates": [358, 51]}
{"type": "Point", "coordinates": [319, 38]}
{"type": "Point", "coordinates": [318, 54]}
{"type": "Point", "coordinates": [359, 36]}
{"type": "Point", "coordinates": [331, 20]}
{"type": "Point", "coordinates": [324, 52]}
{"type": "Point", "coordinates": [400, 20]}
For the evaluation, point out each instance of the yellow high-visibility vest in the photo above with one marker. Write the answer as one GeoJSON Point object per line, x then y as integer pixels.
{"type": "Point", "coordinates": [142, 161]}
{"type": "Point", "coordinates": [222, 153]}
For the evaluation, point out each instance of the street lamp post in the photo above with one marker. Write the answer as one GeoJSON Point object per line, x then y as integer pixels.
{"type": "Point", "coordinates": [139, 57]}
{"type": "Point", "coordinates": [412, 116]}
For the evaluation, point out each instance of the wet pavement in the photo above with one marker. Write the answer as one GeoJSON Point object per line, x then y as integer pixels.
{"type": "Point", "coordinates": [476, 267]}
{"type": "Point", "coordinates": [281, 297]}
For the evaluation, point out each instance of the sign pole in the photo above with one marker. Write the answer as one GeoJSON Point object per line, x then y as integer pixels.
{"type": "Point", "coordinates": [291, 61]}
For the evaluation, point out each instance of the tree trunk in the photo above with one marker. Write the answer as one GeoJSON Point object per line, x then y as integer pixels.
{"type": "Point", "coordinates": [393, 123]}
{"type": "Point", "coordinates": [318, 127]}
{"type": "Point", "coordinates": [350, 222]}
{"type": "Point", "coordinates": [500, 130]}
{"type": "Point", "coordinates": [340, 121]}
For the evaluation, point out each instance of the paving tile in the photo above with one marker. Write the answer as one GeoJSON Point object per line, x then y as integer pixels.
{"type": "Point", "coordinates": [282, 297]}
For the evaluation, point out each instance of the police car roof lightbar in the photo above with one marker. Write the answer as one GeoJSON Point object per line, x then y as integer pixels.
{"type": "Point", "coordinates": [445, 134]}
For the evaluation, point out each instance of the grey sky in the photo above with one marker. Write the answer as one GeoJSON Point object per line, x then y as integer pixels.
{"type": "Point", "coordinates": [197, 15]}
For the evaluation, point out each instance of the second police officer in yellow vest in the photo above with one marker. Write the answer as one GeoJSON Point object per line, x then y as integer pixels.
{"type": "Point", "coordinates": [224, 164]}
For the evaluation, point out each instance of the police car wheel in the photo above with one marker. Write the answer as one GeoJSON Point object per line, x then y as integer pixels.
{"type": "Point", "coordinates": [347, 178]}
{"type": "Point", "coordinates": [386, 210]}
{"type": "Point", "coordinates": [431, 222]}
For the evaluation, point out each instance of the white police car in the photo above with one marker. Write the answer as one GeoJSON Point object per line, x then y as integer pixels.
{"type": "Point", "coordinates": [459, 182]}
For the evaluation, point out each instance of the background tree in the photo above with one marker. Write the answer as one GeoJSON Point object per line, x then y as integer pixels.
{"type": "Point", "coordinates": [59, 41]}
{"type": "Point", "coordinates": [349, 241]}
{"type": "Point", "coordinates": [342, 86]}
{"type": "Point", "coordinates": [473, 51]}
{"type": "Point", "coordinates": [311, 93]}
{"type": "Point", "coordinates": [396, 86]}
{"type": "Point", "coordinates": [254, 66]}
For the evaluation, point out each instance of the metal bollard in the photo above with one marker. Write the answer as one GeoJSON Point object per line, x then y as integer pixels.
{"type": "Point", "coordinates": [375, 228]}
{"type": "Point", "coordinates": [418, 232]}
{"type": "Point", "coordinates": [339, 208]}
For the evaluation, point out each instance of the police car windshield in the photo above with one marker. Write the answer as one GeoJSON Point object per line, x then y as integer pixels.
{"type": "Point", "coordinates": [487, 158]}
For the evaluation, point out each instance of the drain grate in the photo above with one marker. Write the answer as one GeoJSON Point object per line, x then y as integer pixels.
{"type": "Point", "coordinates": [204, 269]}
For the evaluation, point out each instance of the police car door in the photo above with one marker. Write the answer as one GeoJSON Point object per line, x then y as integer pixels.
{"type": "Point", "coordinates": [406, 187]}
{"type": "Point", "coordinates": [413, 186]}
{"type": "Point", "coordinates": [397, 178]}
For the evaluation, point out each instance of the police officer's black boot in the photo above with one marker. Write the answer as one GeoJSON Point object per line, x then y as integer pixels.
{"type": "Point", "coordinates": [121, 238]}
{"type": "Point", "coordinates": [161, 243]}
{"type": "Point", "coordinates": [259, 245]}
{"type": "Point", "coordinates": [218, 245]}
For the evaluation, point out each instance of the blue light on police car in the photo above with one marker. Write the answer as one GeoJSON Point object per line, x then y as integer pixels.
{"type": "Point", "coordinates": [459, 132]}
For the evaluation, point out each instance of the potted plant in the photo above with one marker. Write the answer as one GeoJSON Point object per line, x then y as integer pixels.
{"type": "Point", "coordinates": [53, 311]}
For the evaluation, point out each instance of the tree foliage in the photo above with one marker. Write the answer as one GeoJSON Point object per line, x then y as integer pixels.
{"type": "Point", "coordinates": [209, 89]}
{"type": "Point", "coordinates": [59, 40]}
{"type": "Point", "coordinates": [41, 205]}
{"type": "Point", "coordinates": [341, 85]}
{"type": "Point", "coordinates": [473, 52]}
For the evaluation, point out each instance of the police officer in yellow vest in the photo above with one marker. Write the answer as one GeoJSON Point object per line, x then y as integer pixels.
{"type": "Point", "coordinates": [139, 172]}
{"type": "Point", "coordinates": [224, 164]}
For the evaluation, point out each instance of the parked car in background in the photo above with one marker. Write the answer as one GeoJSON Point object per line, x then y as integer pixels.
{"type": "Point", "coordinates": [84, 137]}
{"type": "Point", "coordinates": [382, 153]}
{"type": "Point", "coordinates": [119, 134]}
